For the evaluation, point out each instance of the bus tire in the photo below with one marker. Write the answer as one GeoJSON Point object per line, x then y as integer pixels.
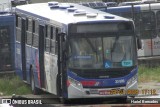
{"type": "Point", "coordinates": [34, 89]}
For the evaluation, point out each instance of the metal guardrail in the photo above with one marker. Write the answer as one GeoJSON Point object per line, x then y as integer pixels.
{"type": "Point", "coordinates": [7, 73]}
{"type": "Point", "coordinates": [149, 61]}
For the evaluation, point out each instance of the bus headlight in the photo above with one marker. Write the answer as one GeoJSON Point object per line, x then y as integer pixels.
{"type": "Point", "coordinates": [131, 81]}
{"type": "Point", "coordinates": [73, 82]}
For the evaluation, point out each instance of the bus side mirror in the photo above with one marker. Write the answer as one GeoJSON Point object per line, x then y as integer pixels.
{"type": "Point", "coordinates": [139, 43]}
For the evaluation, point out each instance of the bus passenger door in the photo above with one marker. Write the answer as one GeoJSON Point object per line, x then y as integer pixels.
{"type": "Point", "coordinates": [50, 59]}
{"type": "Point", "coordinates": [61, 77]}
{"type": "Point", "coordinates": [41, 54]}
{"type": "Point", "coordinates": [23, 48]}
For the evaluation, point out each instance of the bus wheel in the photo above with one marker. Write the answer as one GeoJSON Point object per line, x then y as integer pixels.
{"type": "Point", "coordinates": [35, 90]}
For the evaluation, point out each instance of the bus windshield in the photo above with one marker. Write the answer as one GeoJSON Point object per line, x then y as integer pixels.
{"type": "Point", "coordinates": [101, 52]}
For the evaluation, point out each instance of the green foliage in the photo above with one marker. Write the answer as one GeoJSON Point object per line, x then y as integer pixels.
{"type": "Point", "coordinates": [146, 74]}
{"type": "Point", "coordinates": [13, 85]}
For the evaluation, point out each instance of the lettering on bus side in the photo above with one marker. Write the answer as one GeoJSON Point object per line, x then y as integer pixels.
{"type": "Point", "coordinates": [119, 81]}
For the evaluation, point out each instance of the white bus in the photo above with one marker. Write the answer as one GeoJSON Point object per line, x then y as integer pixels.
{"type": "Point", "coordinates": [75, 53]}
{"type": "Point", "coordinates": [147, 25]}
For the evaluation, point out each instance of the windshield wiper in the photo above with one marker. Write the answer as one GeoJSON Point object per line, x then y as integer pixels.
{"type": "Point", "coordinates": [93, 48]}
{"type": "Point", "coordinates": [115, 43]}
{"type": "Point", "coordinates": [119, 49]}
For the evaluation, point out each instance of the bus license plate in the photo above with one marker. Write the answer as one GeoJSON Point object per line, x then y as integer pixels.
{"type": "Point", "coordinates": [104, 92]}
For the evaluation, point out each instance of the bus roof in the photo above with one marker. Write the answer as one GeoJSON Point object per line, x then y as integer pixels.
{"type": "Point", "coordinates": [137, 8]}
{"type": "Point", "coordinates": [62, 15]}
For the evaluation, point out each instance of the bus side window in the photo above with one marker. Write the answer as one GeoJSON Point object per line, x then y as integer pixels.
{"type": "Point", "coordinates": [148, 25]}
{"type": "Point", "coordinates": [35, 35]}
{"type": "Point", "coordinates": [18, 29]}
{"type": "Point", "coordinates": [33, 26]}
{"type": "Point", "coordinates": [36, 27]}
{"type": "Point", "coordinates": [158, 23]}
{"type": "Point", "coordinates": [53, 35]}
{"type": "Point", "coordinates": [47, 39]}
{"type": "Point", "coordinates": [35, 40]}
{"type": "Point", "coordinates": [48, 31]}
{"type": "Point", "coordinates": [158, 19]}
{"type": "Point", "coordinates": [30, 24]}
{"type": "Point", "coordinates": [26, 23]}
{"type": "Point", "coordinates": [148, 19]}
{"type": "Point", "coordinates": [4, 37]}
{"type": "Point", "coordinates": [19, 22]}
{"type": "Point", "coordinates": [29, 31]}
{"type": "Point", "coordinates": [137, 23]}
{"type": "Point", "coordinates": [16, 20]}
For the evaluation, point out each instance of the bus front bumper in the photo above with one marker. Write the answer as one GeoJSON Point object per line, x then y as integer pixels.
{"type": "Point", "coordinates": [80, 92]}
